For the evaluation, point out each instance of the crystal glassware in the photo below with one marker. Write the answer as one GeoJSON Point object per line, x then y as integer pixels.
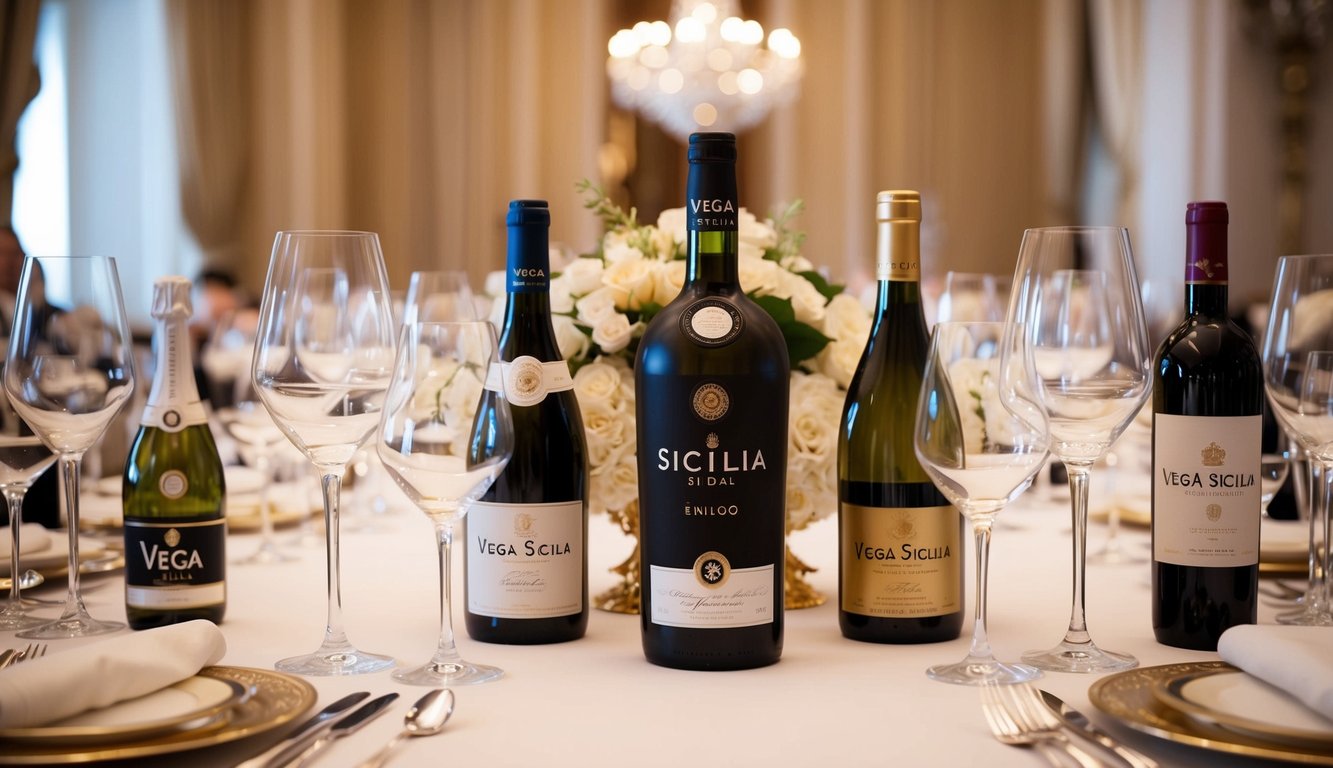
{"type": "Point", "coordinates": [68, 372]}
{"type": "Point", "coordinates": [435, 296]}
{"type": "Point", "coordinates": [444, 443]}
{"type": "Point", "coordinates": [23, 458]}
{"type": "Point", "coordinates": [323, 356]}
{"type": "Point", "coordinates": [982, 439]}
{"type": "Point", "coordinates": [971, 297]}
{"type": "Point", "coordinates": [1076, 295]}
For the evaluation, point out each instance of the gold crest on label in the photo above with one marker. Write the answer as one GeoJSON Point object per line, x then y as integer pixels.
{"type": "Point", "coordinates": [1213, 512]}
{"type": "Point", "coordinates": [712, 441]}
{"type": "Point", "coordinates": [712, 569]}
{"type": "Point", "coordinates": [523, 524]}
{"type": "Point", "coordinates": [1213, 455]}
{"type": "Point", "coordinates": [904, 526]}
{"type": "Point", "coordinates": [172, 537]}
{"type": "Point", "coordinates": [711, 402]}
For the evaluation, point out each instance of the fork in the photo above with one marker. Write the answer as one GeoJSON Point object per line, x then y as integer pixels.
{"type": "Point", "coordinates": [1015, 723]}
{"type": "Point", "coordinates": [31, 652]}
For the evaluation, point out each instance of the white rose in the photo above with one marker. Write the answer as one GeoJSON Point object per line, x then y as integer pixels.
{"type": "Point", "coordinates": [497, 313]}
{"type": "Point", "coordinates": [755, 232]}
{"type": "Point", "coordinates": [672, 222]}
{"type": "Point", "coordinates": [631, 282]}
{"type": "Point", "coordinates": [846, 320]}
{"type": "Point", "coordinates": [573, 342]}
{"type": "Point", "coordinates": [583, 275]}
{"type": "Point", "coordinates": [669, 279]}
{"type": "Point", "coordinates": [616, 485]}
{"type": "Point", "coordinates": [664, 244]}
{"type": "Point", "coordinates": [805, 298]}
{"type": "Point", "coordinates": [596, 306]}
{"type": "Point", "coordinates": [758, 275]}
{"type": "Point", "coordinates": [613, 334]}
{"type": "Point", "coordinates": [598, 381]}
{"type": "Point", "coordinates": [839, 359]}
{"type": "Point", "coordinates": [621, 251]}
{"type": "Point", "coordinates": [797, 263]}
{"type": "Point", "coordinates": [816, 406]}
{"type": "Point", "coordinates": [800, 506]}
{"type": "Point", "coordinates": [751, 251]}
{"type": "Point", "coordinates": [609, 433]}
{"type": "Point", "coordinates": [495, 283]}
{"type": "Point", "coordinates": [562, 302]}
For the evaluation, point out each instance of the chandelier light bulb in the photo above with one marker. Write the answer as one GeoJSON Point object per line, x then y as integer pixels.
{"type": "Point", "coordinates": [707, 67]}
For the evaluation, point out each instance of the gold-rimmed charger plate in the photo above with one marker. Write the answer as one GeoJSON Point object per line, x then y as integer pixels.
{"type": "Point", "coordinates": [1128, 697]}
{"type": "Point", "coordinates": [1238, 702]}
{"type": "Point", "coordinates": [278, 699]}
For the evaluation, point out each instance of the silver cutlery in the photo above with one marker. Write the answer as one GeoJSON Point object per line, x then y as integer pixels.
{"type": "Point", "coordinates": [346, 726]}
{"type": "Point", "coordinates": [13, 656]}
{"type": "Point", "coordinates": [1012, 723]}
{"type": "Point", "coordinates": [1078, 722]}
{"type": "Point", "coordinates": [306, 732]}
{"type": "Point", "coordinates": [426, 718]}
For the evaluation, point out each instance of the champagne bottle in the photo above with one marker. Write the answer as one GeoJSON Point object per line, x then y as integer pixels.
{"type": "Point", "coordinates": [711, 382]}
{"type": "Point", "coordinates": [1207, 403]}
{"type": "Point", "coordinates": [526, 553]}
{"type": "Point", "coordinates": [900, 551]}
{"type": "Point", "coordinates": [173, 489]}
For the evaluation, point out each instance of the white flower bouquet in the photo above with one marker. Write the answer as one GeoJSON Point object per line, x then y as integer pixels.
{"type": "Point", "coordinates": [602, 301]}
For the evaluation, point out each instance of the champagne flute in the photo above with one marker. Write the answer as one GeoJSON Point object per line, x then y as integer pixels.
{"type": "Point", "coordinates": [68, 373]}
{"type": "Point", "coordinates": [1298, 345]}
{"type": "Point", "coordinates": [444, 444]}
{"type": "Point", "coordinates": [1091, 364]}
{"type": "Point", "coordinates": [323, 355]}
{"type": "Point", "coordinates": [23, 458]}
{"type": "Point", "coordinates": [981, 439]}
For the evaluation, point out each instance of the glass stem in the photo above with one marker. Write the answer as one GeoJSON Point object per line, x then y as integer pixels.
{"type": "Point", "coordinates": [331, 485]}
{"type": "Point", "coordinates": [981, 650]}
{"type": "Point", "coordinates": [446, 651]}
{"type": "Point", "coordinates": [69, 490]}
{"type": "Point", "coordinates": [1079, 476]}
{"type": "Point", "coordinates": [262, 465]}
{"type": "Point", "coordinates": [15, 498]}
{"type": "Point", "coordinates": [1317, 596]}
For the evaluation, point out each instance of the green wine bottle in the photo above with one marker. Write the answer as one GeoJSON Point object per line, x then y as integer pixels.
{"type": "Point", "coordinates": [173, 489]}
{"type": "Point", "coordinates": [900, 556]}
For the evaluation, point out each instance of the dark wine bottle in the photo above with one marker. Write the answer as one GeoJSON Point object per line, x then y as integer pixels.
{"type": "Point", "coordinates": [1208, 402]}
{"type": "Point", "coordinates": [173, 489]}
{"type": "Point", "coordinates": [900, 551]}
{"type": "Point", "coordinates": [526, 553]}
{"type": "Point", "coordinates": [711, 382]}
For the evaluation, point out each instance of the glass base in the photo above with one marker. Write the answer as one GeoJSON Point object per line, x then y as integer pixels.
{"type": "Point", "coordinates": [1079, 657]}
{"type": "Point", "coordinates": [329, 661]}
{"type": "Point", "coordinates": [1117, 555]}
{"type": "Point", "coordinates": [79, 624]}
{"type": "Point", "coordinates": [972, 671]}
{"type": "Point", "coordinates": [1312, 617]}
{"type": "Point", "coordinates": [15, 617]}
{"type": "Point", "coordinates": [446, 674]}
{"type": "Point", "coordinates": [267, 554]}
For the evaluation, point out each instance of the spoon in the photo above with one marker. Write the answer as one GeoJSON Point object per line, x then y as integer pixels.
{"type": "Point", "coordinates": [426, 718]}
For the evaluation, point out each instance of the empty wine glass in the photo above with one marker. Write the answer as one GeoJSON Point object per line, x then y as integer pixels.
{"type": "Point", "coordinates": [981, 439]}
{"type": "Point", "coordinates": [1273, 471]}
{"type": "Point", "coordinates": [68, 373]}
{"type": "Point", "coordinates": [1091, 362]}
{"type": "Point", "coordinates": [443, 440]}
{"type": "Point", "coordinates": [323, 355]}
{"type": "Point", "coordinates": [23, 458]}
{"type": "Point", "coordinates": [971, 297]}
{"type": "Point", "coordinates": [435, 296]}
{"type": "Point", "coordinates": [1298, 379]}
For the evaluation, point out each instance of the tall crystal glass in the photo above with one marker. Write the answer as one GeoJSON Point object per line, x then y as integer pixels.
{"type": "Point", "coordinates": [444, 440]}
{"type": "Point", "coordinates": [435, 296]}
{"type": "Point", "coordinates": [23, 458]}
{"type": "Point", "coordinates": [982, 438]}
{"type": "Point", "coordinates": [68, 372]}
{"type": "Point", "coordinates": [972, 297]}
{"type": "Point", "coordinates": [1076, 295]}
{"type": "Point", "coordinates": [1298, 379]}
{"type": "Point", "coordinates": [323, 356]}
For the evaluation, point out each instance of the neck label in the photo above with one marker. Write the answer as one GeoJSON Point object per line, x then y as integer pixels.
{"type": "Point", "coordinates": [525, 380]}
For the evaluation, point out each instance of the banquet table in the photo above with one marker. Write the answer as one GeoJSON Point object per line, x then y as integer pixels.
{"type": "Point", "coordinates": [597, 702]}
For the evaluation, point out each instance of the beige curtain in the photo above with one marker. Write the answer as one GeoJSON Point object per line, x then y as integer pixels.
{"type": "Point", "coordinates": [19, 82]}
{"type": "Point", "coordinates": [1115, 30]}
{"type": "Point", "coordinates": [211, 84]}
{"type": "Point", "coordinates": [1064, 93]}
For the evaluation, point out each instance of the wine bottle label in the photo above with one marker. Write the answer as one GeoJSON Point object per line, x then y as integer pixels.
{"type": "Point", "coordinates": [1206, 496]}
{"type": "Point", "coordinates": [175, 565]}
{"type": "Point", "coordinates": [525, 561]}
{"type": "Point", "coordinates": [899, 562]}
{"type": "Point", "coordinates": [173, 399]}
{"type": "Point", "coordinates": [712, 594]}
{"type": "Point", "coordinates": [898, 271]}
{"type": "Point", "coordinates": [525, 380]}
{"type": "Point", "coordinates": [712, 322]}
{"type": "Point", "coordinates": [173, 417]}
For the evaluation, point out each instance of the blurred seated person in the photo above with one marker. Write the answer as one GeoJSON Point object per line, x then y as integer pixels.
{"type": "Point", "coordinates": [216, 297]}
{"type": "Point", "coordinates": [41, 504]}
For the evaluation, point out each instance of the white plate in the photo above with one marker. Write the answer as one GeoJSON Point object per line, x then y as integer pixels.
{"type": "Point", "coordinates": [1240, 702]}
{"type": "Point", "coordinates": [193, 702]}
{"type": "Point", "coordinates": [33, 538]}
{"type": "Point", "coordinates": [54, 557]}
{"type": "Point", "coordinates": [1284, 541]}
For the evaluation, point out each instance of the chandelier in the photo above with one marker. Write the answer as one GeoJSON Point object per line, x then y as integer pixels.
{"type": "Point", "coordinates": [709, 69]}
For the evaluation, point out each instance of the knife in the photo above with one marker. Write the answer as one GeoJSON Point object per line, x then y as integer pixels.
{"type": "Point", "coordinates": [305, 732]}
{"type": "Point", "coordinates": [1079, 722]}
{"type": "Point", "coordinates": [345, 726]}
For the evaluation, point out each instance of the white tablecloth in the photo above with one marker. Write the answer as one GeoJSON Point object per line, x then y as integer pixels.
{"type": "Point", "coordinates": [597, 702]}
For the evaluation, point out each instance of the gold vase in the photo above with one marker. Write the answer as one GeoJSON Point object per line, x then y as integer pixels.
{"type": "Point", "coordinates": [624, 596]}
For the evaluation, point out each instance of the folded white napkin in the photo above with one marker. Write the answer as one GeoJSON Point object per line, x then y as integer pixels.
{"type": "Point", "coordinates": [32, 538]}
{"type": "Point", "coordinates": [65, 683]}
{"type": "Point", "coordinates": [1299, 660]}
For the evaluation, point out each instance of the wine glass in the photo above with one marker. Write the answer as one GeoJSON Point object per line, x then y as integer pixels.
{"type": "Point", "coordinates": [68, 373]}
{"type": "Point", "coordinates": [438, 296]}
{"type": "Point", "coordinates": [1092, 363]}
{"type": "Point", "coordinates": [23, 458]}
{"type": "Point", "coordinates": [1298, 377]}
{"type": "Point", "coordinates": [444, 440]}
{"type": "Point", "coordinates": [981, 439]}
{"type": "Point", "coordinates": [323, 355]}
{"type": "Point", "coordinates": [970, 297]}
{"type": "Point", "coordinates": [1273, 471]}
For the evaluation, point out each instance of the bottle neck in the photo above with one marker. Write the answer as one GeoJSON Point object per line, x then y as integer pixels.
{"type": "Point", "coordinates": [527, 322]}
{"type": "Point", "coordinates": [1206, 299]}
{"type": "Point", "coordinates": [712, 216]}
{"type": "Point", "coordinates": [1206, 268]}
{"type": "Point", "coordinates": [713, 258]}
{"type": "Point", "coordinates": [173, 377]}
